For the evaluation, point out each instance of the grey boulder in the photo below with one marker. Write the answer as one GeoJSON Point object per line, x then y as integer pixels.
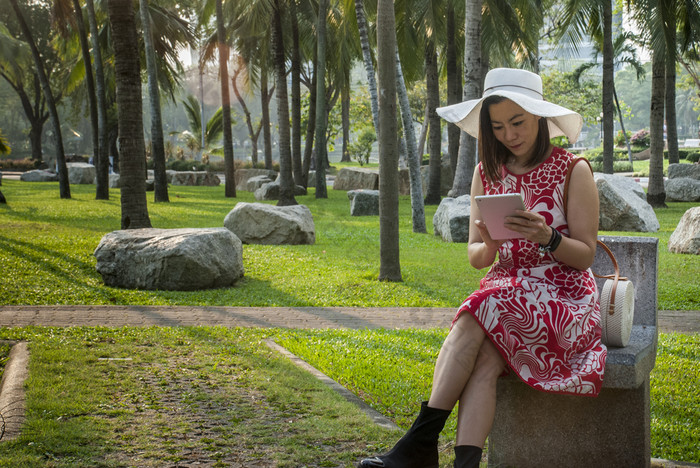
{"type": "Point", "coordinates": [170, 259]}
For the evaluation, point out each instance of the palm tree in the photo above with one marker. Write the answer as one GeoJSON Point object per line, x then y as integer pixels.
{"type": "Point", "coordinates": [102, 159]}
{"type": "Point", "coordinates": [229, 170]}
{"type": "Point", "coordinates": [297, 165]}
{"type": "Point", "coordinates": [131, 143]}
{"type": "Point", "coordinates": [390, 266]}
{"type": "Point", "coordinates": [286, 177]}
{"type": "Point", "coordinates": [158, 151]}
{"type": "Point", "coordinates": [367, 59]}
{"type": "Point", "coordinates": [433, 196]}
{"type": "Point", "coordinates": [656, 193]}
{"type": "Point", "coordinates": [668, 11]}
{"type": "Point", "coordinates": [454, 80]}
{"type": "Point", "coordinates": [15, 66]}
{"type": "Point", "coordinates": [414, 159]}
{"type": "Point", "coordinates": [623, 53]}
{"type": "Point", "coordinates": [473, 82]}
{"type": "Point", "coordinates": [63, 15]}
{"type": "Point", "coordinates": [594, 17]}
{"type": "Point", "coordinates": [64, 186]}
{"type": "Point", "coordinates": [213, 128]}
{"type": "Point", "coordinates": [253, 133]}
{"type": "Point", "coordinates": [320, 132]}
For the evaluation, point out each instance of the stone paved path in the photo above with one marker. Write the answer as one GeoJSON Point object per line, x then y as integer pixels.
{"type": "Point", "coordinates": [286, 317]}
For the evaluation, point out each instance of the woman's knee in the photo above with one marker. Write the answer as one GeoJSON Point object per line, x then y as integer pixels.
{"type": "Point", "coordinates": [489, 363]}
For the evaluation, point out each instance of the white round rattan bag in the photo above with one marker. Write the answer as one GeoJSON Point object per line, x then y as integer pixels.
{"type": "Point", "coordinates": [616, 313]}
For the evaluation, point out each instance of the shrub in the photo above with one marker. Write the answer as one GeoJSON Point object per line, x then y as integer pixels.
{"type": "Point", "coordinates": [362, 147]}
{"type": "Point", "coordinates": [693, 157]}
{"type": "Point", "coordinates": [620, 138]}
{"type": "Point", "coordinates": [641, 138]}
{"type": "Point", "coordinates": [19, 165]}
{"type": "Point", "coordinates": [618, 166]}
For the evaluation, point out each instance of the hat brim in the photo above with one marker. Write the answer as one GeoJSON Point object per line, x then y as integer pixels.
{"type": "Point", "coordinates": [561, 121]}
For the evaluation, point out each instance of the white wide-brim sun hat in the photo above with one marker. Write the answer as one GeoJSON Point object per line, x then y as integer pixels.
{"type": "Point", "coordinates": [523, 88]}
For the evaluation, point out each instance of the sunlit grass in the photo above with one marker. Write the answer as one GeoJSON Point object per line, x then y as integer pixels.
{"type": "Point", "coordinates": [393, 370]}
{"type": "Point", "coordinates": [47, 245]}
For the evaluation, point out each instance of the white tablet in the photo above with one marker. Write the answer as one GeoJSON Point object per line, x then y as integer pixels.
{"type": "Point", "coordinates": [494, 209]}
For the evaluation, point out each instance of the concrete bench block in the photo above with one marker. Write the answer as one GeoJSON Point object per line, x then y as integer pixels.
{"type": "Point", "coordinates": [536, 429]}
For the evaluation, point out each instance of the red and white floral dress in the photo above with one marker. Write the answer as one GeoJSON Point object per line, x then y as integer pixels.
{"type": "Point", "coordinates": [542, 315]}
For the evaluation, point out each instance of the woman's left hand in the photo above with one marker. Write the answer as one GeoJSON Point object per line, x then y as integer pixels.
{"type": "Point", "coordinates": [531, 225]}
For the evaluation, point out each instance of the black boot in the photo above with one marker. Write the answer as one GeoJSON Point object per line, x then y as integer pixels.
{"type": "Point", "coordinates": [418, 447]}
{"type": "Point", "coordinates": [467, 456]}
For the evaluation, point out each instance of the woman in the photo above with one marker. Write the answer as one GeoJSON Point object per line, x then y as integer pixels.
{"type": "Point", "coordinates": [536, 312]}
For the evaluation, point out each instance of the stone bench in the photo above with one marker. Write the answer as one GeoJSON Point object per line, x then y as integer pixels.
{"type": "Point", "coordinates": [536, 429]}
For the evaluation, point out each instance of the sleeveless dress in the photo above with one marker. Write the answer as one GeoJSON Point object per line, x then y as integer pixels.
{"type": "Point", "coordinates": [542, 315]}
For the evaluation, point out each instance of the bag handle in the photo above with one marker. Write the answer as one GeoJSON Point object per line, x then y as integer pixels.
{"type": "Point", "coordinates": [616, 277]}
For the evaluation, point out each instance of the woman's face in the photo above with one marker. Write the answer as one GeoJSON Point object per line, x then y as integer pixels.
{"type": "Point", "coordinates": [514, 127]}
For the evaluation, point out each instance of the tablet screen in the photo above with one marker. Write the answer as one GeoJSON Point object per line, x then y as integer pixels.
{"type": "Point", "coordinates": [494, 209]}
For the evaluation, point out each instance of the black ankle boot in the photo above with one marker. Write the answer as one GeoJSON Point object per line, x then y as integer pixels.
{"type": "Point", "coordinates": [467, 456]}
{"type": "Point", "coordinates": [418, 447]}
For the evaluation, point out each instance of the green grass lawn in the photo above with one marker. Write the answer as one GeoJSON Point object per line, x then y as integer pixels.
{"type": "Point", "coordinates": [175, 393]}
{"type": "Point", "coordinates": [158, 396]}
{"type": "Point", "coordinates": [47, 245]}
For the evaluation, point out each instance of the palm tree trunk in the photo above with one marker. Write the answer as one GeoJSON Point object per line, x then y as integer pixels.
{"type": "Point", "coordinates": [367, 58]}
{"type": "Point", "coordinates": [622, 127]}
{"type": "Point", "coordinates": [321, 189]}
{"type": "Point", "coordinates": [390, 266]}
{"type": "Point", "coordinates": [229, 170]}
{"type": "Point", "coordinates": [414, 159]}
{"type": "Point", "coordinates": [424, 131]}
{"type": "Point", "coordinates": [158, 154]}
{"type": "Point", "coordinates": [64, 185]}
{"type": "Point", "coordinates": [102, 160]}
{"type": "Point", "coordinates": [671, 128]}
{"type": "Point", "coordinates": [297, 164]}
{"type": "Point", "coordinates": [608, 86]}
{"type": "Point", "coordinates": [265, 118]}
{"type": "Point", "coordinates": [310, 126]}
{"type": "Point", "coordinates": [656, 194]}
{"type": "Point", "coordinates": [473, 79]}
{"type": "Point", "coordinates": [434, 134]}
{"type": "Point", "coordinates": [132, 157]}
{"type": "Point", "coordinates": [252, 133]}
{"type": "Point", "coordinates": [454, 85]}
{"type": "Point", "coordinates": [345, 111]}
{"type": "Point", "coordinates": [286, 176]}
{"type": "Point", "coordinates": [89, 78]}
{"type": "Point", "coordinates": [202, 122]}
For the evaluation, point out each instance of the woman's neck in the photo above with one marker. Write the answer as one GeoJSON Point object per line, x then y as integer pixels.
{"type": "Point", "coordinates": [521, 165]}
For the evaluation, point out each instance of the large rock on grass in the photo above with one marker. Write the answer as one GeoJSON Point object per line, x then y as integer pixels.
{"type": "Point", "coordinates": [622, 208]}
{"type": "Point", "coordinates": [256, 182]}
{"type": "Point", "coordinates": [686, 238]}
{"type": "Point", "coordinates": [451, 220]}
{"type": "Point", "coordinates": [260, 223]}
{"type": "Point", "coordinates": [364, 202]}
{"type": "Point", "coordinates": [80, 173]}
{"type": "Point", "coordinates": [39, 175]}
{"type": "Point", "coordinates": [354, 178]}
{"type": "Point", "coordinates": [683, 189]}
{"type": "Point", "coordinates": [195, 178]}
{"type": "Point", "coordinates": [170, 259]}
{"type": "Point", "coordinates": [241, 176]}
{"type": "Point", "coordinates": [678, 171]}
{"type": "Point", "coordinates": [271, 191]}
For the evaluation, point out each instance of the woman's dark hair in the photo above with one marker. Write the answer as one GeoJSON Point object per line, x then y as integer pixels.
{"type": "Point", "coordinates": [493, 154]}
